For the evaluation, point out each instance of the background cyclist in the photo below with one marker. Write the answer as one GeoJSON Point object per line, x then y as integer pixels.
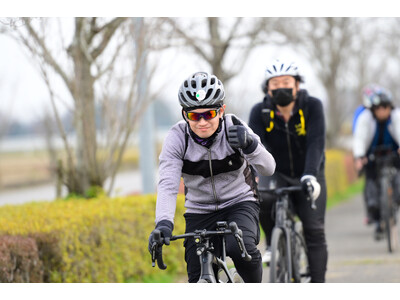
{"type": "Point", "coordinates": [291, 125]}
{"type": "Point", "coordinates": [377, 125]}
{"type": "Point", "coordinates": [213, 153]}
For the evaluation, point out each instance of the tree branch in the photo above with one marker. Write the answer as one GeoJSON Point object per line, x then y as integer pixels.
{"type": "Point", "coordinates": [189, 41]}
{"type": "Point", "coordinates": [49, 59]}
{"type": "Point", "coordinates": [108, 31]}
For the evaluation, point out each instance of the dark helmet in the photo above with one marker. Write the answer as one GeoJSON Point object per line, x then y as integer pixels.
{"type": "Point", "coordinates": [374, 95]}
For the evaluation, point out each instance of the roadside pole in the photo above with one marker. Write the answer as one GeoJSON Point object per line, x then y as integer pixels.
{"type": "Point", "coordinates": [146, 130]}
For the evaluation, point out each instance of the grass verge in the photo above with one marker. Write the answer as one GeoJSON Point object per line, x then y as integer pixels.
{"type": "Point", "coordinates": [347, 194]}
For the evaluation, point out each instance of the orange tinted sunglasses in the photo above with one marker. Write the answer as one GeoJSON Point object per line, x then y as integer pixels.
{"type": "Point", "coordinates": [208, 115]}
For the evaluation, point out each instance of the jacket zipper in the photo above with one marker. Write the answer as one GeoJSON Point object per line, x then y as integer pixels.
{"type": "Point", "coordinates": [212, 179]}
{"type": "Point", "coordinates": [290, 149]}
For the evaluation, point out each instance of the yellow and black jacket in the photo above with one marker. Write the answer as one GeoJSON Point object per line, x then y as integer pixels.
{"type": "Point", "coordinates": [298, 145]}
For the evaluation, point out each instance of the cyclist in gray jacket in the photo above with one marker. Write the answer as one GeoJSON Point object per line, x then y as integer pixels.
{"type": "Point", "coordinates": [215, 155]}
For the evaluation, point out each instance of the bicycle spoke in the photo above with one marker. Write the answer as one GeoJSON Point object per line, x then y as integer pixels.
{"type": "Point", "coordinates": [300, 260]}
{"type": "Point", "coordinates": [278, 265]}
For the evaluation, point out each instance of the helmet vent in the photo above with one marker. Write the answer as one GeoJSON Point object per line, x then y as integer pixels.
{"type": "Point", "coordinates": [191, 96]}
{"type": "Point", "coordinates": [217, 94]}
{"type": "Point", "coordinates": [209, 93]}
{"type": "Point", "coordinates": [182, 97]}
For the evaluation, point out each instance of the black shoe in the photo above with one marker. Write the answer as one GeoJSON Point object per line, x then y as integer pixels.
{"type": "Point", "coordinates": [378, 234]}
{"type": "Point", "coordinates": [368, 221]}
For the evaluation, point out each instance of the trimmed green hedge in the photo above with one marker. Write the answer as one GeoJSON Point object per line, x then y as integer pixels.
{"type": "Point", "coordinates": [98, 240]}
{"type": "Point", "coordinates": [339, 171]}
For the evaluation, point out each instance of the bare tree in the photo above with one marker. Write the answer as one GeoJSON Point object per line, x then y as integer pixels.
{"type": "Point", "coordinates": [387, 55]}
{"type": "Point", "coordinates": [98, 64]}
{"type": "Point", "coordinates": [217, 39]}
{"type": "Point", "coordinates": [370, 56]}
{"type": "Point", "coordinates": [327, 43]}
{"type": "Point", "coordinates": [224, 44]}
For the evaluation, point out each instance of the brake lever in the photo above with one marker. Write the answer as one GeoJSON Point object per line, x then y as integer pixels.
{"type": "Point", "coordinates": [237, 233]}
{"type": "Point", "coordinates": [158, 242]}
{"type": "Point", "coordinates": [313, 205]}
{"type": "Point", "coordinates": [309, 198]}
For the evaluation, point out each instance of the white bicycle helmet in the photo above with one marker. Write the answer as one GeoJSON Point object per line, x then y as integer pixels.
{"type": "Point", "coordinates": [282, 68]}
{"type": "Point", "coordinates": [374, 95]}
{"type": "Point", "coordinates": [201, 90]}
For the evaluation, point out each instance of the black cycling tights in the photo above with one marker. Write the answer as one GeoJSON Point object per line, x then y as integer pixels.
{"type": "Point", "coordinates": [246, 215]}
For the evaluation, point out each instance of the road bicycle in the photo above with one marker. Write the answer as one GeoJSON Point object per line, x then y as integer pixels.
{"type": "Point", "coordinates": [289, 261]}
{"type": "Point", "coordinates": [214, 268]}
{"type": "Point", "coordinates": [384, 158]}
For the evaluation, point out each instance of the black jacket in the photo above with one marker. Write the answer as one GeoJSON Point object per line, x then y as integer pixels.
{"type": "Point", "coordinates": [297, 146]}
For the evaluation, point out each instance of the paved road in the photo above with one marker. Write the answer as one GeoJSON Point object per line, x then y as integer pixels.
{"type": "Point", "coordinates": [354, 256]}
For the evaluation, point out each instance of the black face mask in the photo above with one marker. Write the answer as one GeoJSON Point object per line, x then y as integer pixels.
{"type": "Point", "coordinates": [282, 97]}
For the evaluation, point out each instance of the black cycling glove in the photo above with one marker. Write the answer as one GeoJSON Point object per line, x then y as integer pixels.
{"type": "Point", "coordinates": [239, 137]}
{"type": "Point", "coordinates": [165, 227]}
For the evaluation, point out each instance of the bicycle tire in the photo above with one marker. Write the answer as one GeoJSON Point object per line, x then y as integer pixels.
{"type": "Point", "coordinates": [300, 265]}
{"type": "Point", "coordinates": [387, 215]}
{"type": "Point", "coordinates": [279, 271]}
{"type": "Point", "coordinates": [203, 281]}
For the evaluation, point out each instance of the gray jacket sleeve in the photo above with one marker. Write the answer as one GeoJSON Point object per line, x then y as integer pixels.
{"type": "Point", "coordinates": [170, 170]}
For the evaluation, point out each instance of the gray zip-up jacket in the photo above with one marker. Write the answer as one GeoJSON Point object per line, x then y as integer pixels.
{"type": "Point", "coordinates": [214, 178]}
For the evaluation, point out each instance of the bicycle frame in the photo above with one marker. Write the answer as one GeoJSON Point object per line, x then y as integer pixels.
{"type": "Point", "coordinates": [208, 259]}
{"type": "Point", "coordinates": [285, 222]}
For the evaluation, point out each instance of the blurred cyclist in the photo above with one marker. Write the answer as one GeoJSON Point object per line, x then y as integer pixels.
{"type": "Point", "coordinates": [213, 153]}
{"type": "Point", "coordinates": [291, 126]}
{"type": "Point", "coordinates": [376, 126]}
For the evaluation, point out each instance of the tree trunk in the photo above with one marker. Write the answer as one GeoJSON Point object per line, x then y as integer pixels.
{"type": "Point", "coordinates": [87, 173]}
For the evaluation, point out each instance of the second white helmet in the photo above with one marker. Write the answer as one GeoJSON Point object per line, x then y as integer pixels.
{"type": "Point", "coordinates": [282, 68]}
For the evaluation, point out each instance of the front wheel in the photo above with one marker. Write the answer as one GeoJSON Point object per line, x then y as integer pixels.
{"type": "Point", "coordinates": [279, 271]}
{"type": "Point", "coordinates": [300, 266]}
{"type": "Point", "coordinates": [388, 214]}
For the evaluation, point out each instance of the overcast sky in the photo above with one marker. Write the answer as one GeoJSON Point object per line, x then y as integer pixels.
{"type": "Point", "coordinates": [23, 94]}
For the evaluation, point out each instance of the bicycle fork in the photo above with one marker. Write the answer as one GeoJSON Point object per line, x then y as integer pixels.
{"type": "Point", "coordinates": [207, 259]}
